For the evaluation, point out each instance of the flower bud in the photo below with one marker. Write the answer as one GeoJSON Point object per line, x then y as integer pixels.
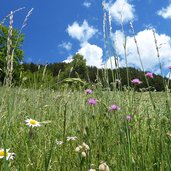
{"type": "Point", "coordinates": [83, 154]}
{"type": "Point", "coordinates": [85, 146]}
{"type": "Point", "coordinates": [103, 167]}
{"type": "Point", "coordinates": [77, 149]}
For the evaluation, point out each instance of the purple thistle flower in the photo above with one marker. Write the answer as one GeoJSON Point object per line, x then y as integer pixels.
{"type": "Point", "coordinates": [88, 91]}
{"type": "Point", "coordinates": [92, 101]}
{"type": "Point", "coordinates": [128, 117]}
{"type": "Point", "coordinates": [149, 75]}
{"type": "Point", "coordinates": [136, 81]}
{"type": "Point", "coordinates": [114, 108]}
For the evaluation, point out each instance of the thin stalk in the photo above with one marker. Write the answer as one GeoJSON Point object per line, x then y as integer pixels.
{"type": "Point", "coordinates": [138, 52]}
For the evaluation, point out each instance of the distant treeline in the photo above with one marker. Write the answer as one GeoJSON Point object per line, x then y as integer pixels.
{"type": "Point", "coordinates": [56, 72]}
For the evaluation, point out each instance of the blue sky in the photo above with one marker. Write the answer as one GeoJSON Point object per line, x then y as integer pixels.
{"type": "Point", "coordinates": [58, 29]}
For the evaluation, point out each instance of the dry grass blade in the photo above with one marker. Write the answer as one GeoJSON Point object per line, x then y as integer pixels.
{"type": "Point", "coordinates": [17, 10]}
{"type": "Point", "coordinates": [8, 76]}
{"type": "Point", "coordinates": [10, 51]}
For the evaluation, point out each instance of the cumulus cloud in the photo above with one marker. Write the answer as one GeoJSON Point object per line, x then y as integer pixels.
{"type": "Point", "coordinates": [92, 53]}
{"type": "Point", "coordinates": [147, 49]}
{"type": "Point", "coordinates": [114, 63]}
{"type": "Point", "coordinates": [69, 59]}
{"type": "Point", "coordinates": [121, 10]}
{"type": "Point", "coordinates": [81, 32]}
{"type": "Point", "coordinates": [86, 4]}
{"type": "Point", "coordinates": [165, 12]}
{"type": "Point", "coordinates": [66, 45]}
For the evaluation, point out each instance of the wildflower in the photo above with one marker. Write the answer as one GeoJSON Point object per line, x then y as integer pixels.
{"type": "Point", "coordinates": [83, 154]}
{"type": "Point", "coordinates": [136, 81]}
{"type": "Point", "coordinates": [59, 142]}
{"type": "Point", "coordinates": [169, 67]}
{"type": "Point", "coordinates": [32, 123]}
{"type": "Point", "coordinates": [88, 91]}
{"type": "Point", "coordinates": [149, 75]}
{"type": "Point", "coordinates": [103, 167]}
{"type": "Point", "coordinates": [128, 117]}
{"type": "Point", "coordinates": [82, 149]}
{"type": "Point", "coordinates": [169, 134]}
{"type": "Point", "coordinates": [92, 166]}
{"type": "Point", "coordinates": [71, 138]}
{"type": "Point", "coordinates": [92, 101]}
{"type": "Point", "coordinates": [85, 146]}
{"type": "Point", "coordinates": [77, 149]}
{"type": "Point", "coordinates": [9, 156]}
{"type": "Point", "coordinates": [114, 108]}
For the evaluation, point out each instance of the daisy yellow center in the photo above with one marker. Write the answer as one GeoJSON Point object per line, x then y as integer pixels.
{"type": "Point", "coordinates": [2, 153]}
{"type": "Point", "coordinates": [33, 122]}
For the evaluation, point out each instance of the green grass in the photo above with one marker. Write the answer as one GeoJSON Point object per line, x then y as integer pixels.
{"type": "Point", "coordinates": [143, 143]}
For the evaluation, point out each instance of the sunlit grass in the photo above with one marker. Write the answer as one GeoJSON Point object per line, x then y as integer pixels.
{"type": "Point", "coordinates": [139, 143]}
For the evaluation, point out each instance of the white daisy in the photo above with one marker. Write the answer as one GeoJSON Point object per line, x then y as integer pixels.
{"type": "Point", "coordinates": [32, 123]}
{"type": "Point", "coordinates": [71, 138]}
{"type": "Point", "coordinates": [9, 156]}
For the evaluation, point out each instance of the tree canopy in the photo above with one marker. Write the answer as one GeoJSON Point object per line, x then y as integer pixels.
{"type": "Point", "coordinates": [15, 48]}
{"type": "Point", "coordinates": [77, 68]}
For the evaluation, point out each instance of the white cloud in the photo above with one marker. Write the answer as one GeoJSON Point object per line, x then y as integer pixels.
{"type": "Point", "coordinates": [168, 76]}
{"type": "Point", "coordinates": [81, 32]}
{"type": "Point", "coordinates": [121, 8]}
{"type": "Point", "coordinates": [92, 53]}
{"type": "Point", "coordinates": [87, 4]}
{"type": "Point", "coordinates": [113, 63]}
{"type": "Point", "coordinates": [66, 45]}
{"type": "Point", "coordinates": [165, 12]}
{"type": "Point", "coordinates": [147, 49]}
{"type": "Point", "coordinates": [69, 59]}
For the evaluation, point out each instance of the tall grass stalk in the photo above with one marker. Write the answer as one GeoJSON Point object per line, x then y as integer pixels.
{"type": "Point", "coordinates": [9, 61]}
{"type": "Point", "coordinates": [17, 10]}
{"type": "Point", "coordinates": [10, 49]}
{"type": "Point", "coordinates": [125, 49]}
{"type": "Point", "coordinates": [161, 70]}
{"type": "Point", "coordinates": [139, 55]}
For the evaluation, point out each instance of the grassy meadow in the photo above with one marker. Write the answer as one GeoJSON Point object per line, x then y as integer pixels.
{"type": "Point", "coordinates": [141, 141]}
{"type": "Point", "coordinates": [70, 129]}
